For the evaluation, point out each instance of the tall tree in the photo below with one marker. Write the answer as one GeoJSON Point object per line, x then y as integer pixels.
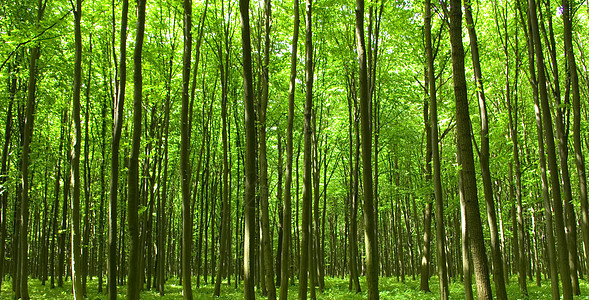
{"type": "Point", "coordinates": [22, 289]}
{"type": "Point", "coordinates": [540, 136]}
{"type": "Point", "coordinates": [75, 165]}
{"type": "Point", "coordinates": [573, 78]}
{"type": "Point", "coordinates": [134, 281]}
{"type": "Point", "coordinates": [433, 162]}
{"type": "Point", "coordinates": [286, 214]}
{"type": "Point", "coordinates": [185, 155]}
{"type": "Point", "coordinates": [550, 154]}
{"type": "Point", "coordinates": [266, 239]}
{"type": "Point", "coordinates": [308, 131]}
{"type": "Point", "coordinates": [250, 150]}
{"type": "Point", "coordinates": [484, 156]}
{"type": "Point", "coordinates": [463, 129]}
{"type": "Point", "coordinates": [114, 159]}
{"type": "Point", "coordinates": [4, 176]}
{"type": "Point", "coordinates": [370, 237]}
{"type": "Point", "coordinates": [437, 178]}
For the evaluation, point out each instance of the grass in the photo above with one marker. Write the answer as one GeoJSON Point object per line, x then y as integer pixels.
{"type": "Point", "coordinates": [335, 289]}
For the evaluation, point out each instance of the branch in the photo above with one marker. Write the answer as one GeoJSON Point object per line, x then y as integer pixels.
{"type": "Point", "coordinates": [32, 39]}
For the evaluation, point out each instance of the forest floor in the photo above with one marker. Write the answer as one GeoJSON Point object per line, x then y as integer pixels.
{"type": "Point", "coordinates": [336, 288]}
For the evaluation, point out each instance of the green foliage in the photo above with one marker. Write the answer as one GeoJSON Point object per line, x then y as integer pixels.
{"type": "Point", "coordinates": [336, 289]}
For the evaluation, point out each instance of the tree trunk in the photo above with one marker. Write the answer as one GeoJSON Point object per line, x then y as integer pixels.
{"type": "Point", "coordinates": [286, 215]}
{"type": "Point", "coordinates": [439, 213]}
{"type": "Point", "coordinates": [134, 281]}
{"type": "Point", "coordinates": [4, 177]}
{"type": "Point", "coordinates": [266, 238]}
{"type": "Point", "coordinates": [75, 165]}
{"type": "Point", "coordinates": [371, 241]}
{"type": "Point", "coordinates": [573, 78]}
{"type": "Point", "coordinates": [484, 157]}
{"type": "Point", "coordinates": [430, 90]}
{"type": "Point", "coordinates": [87, 181]}
{"type": "Point", "coordinates": [226, 204]}
{"type": "Point", "coordinates": [463, 128]}
{"type": "Point", "coordinates": [23, 262]}
{"type": "Point", "coordinates": [551, 156]}
{"type": "Point", "coordinates": [185, 155]}
{"type": "Point", "coordinates": [118, 120]}
{"type": "Point", "coordinates": [250, 145]}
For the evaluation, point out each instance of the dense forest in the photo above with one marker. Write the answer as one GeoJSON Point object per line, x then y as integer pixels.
{"type": "Point", "coordinates": [281, 149]}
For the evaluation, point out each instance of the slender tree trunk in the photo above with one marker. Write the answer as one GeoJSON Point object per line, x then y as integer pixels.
{"type": "Point", "coordinates": [371, 240]}
{"type": "Point", "coordinates": [561, 128]}
{"type": "Point", "coordinates": [307, 193]}
{"type": "Point", "coordinates": [572, 76]}
{"type": "Point", "coordinates": [102, 196]}
{"type": "Point", "coordinates": [23, 262]}
{"type": "Point", "coordinates": [551, 156]}
{"type": "Point", "coordinates": [185, 155]}
{"type": "Point", "coordinates": [286, 215]}
{"type": "Point", "coordinates": [484, 157]}
{"type": "Point", "coordinates": [114, 160]}
{"type": "Point", "coordinates": [437, 180]}
{"type": "Point", "coordinates": [134, 281]}
{"type": "Point", "coordinates": [75, 165]}
{"type": "Point", "coordinates": [225, 242]}
{"type": "Point", "coordinates": [463, 128]}
{"type": "Point", "coordinates": [4, 177]}
{"type": "Point", "coordinates": [541, 154]}
{"type": "Point", "coordinates": [466, 257]}
{"type": "Point", "coordinates": [266, 238]}
{"type": "Point", "coordinates": [87, 182]}
{"type": "Point", "coordinates": [250, 162]}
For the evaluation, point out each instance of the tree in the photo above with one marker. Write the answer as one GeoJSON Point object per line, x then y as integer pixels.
{"type": "Point", "coordinates": [437, 180]}
{"type": "Point", "coordinates": [372, 262]}
{"type": "Point", "coordinates": [266, 240]}
{"type": "Point", "coordinates": [286, 215]}
{"type": "Point", "coordinates": [114, 159]}
{"type": "Point", "coordinates": [184, 155]}
{"type": "Point", "coordinates": [484, 157]}
{"type": "Point", "coordinates": [306, 241]}
{"type": "Point", "coordinates": [135, 282]}
{"type": "Point", "coordinates": [75, 165]}
{"type": "Point", "coordinates": [572, 75]}
{"type": "Point", "coordinates": [250, 144]}
{"type": "Point", "coordinates": [550, 154]}
{"type": "Point", "coordinates": [467, 171]}
{"type": "Point", "coordinates": [22, 290]}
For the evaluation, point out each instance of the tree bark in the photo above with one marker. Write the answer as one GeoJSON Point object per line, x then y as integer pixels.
{"type": "Point", "coordinates": [114, 160]}
{"type": "Point", "coordinates": [463, 129]}
{"type": "Point", "coordinates": [266, 239]}
{"type": "Point", "coordinates": [87, 181]}
{"type": "Point", "coordinates": [4, 176]}
{"type": "Point", "coordinates": [185, 156]}
{"type": "Point", "coordinates": [551, 156]}
{"type": "Point", "coordinates": [134, 281]}
{"type": "Point", "coordinates": [250, 145]}
{"type": "Point", "coordinates": [371, 240]}
{"type": "Point", "coordinates": [286, 214]}
{"type": "Point", "coordinates": [307, 129]}
{"type": "Point", "coordinates": [484, 157]}
{"type": "Point", "coordinates": [23, 261]}
{"type": "Point", "coordinates": [567, 17]}
{"type": "Point", "coordinates": [437, 180]}
{"type": "Point", "coordinates": [75, 165]}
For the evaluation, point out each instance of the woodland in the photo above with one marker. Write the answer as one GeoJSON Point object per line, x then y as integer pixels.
{"type": "Point", "coordinates": [395, 149]}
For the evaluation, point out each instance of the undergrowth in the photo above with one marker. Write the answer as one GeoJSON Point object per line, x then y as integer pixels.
{"type": "Point", "coordinates": [335, 289]}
